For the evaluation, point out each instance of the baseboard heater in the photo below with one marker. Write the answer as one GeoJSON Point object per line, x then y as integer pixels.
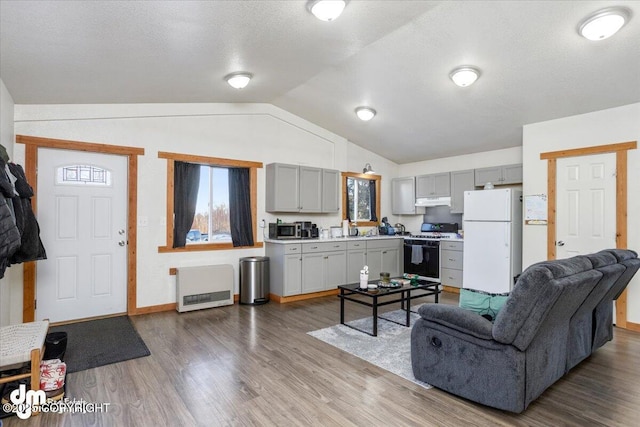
{"type": "Point", "coordinates": [204, 287]}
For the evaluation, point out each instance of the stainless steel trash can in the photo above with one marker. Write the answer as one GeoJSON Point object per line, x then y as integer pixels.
{"type": "Point", "coordinates": [254, 280]}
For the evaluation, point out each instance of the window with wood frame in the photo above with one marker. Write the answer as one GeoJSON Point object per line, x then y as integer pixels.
{"type": "Point", "coordinates": [361, 198]}
{"type": "Point", "coordinates": [211, 225]}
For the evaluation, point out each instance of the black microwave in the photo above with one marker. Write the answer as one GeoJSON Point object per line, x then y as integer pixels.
{"type": "Point", "coordinates": [285, 231]}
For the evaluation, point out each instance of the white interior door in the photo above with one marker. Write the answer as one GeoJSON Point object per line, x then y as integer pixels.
{"type": "Point", "coordinates": [82, 211]}
{"type": "Point", "coordinates": [585, 204]}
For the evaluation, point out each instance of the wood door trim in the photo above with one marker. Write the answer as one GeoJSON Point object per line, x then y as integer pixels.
{"type": "Point", "coordinates": [32, 144]}
{"type": "Point", "coordinates": [621, 202]}
{"type": "Point", "coordinates": [586, 151]}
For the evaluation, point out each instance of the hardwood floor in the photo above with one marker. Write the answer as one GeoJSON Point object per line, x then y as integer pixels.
{"type": "Point", "coordinates": [244, 365]}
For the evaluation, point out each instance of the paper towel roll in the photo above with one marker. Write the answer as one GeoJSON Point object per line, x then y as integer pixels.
{"type": "Point", "coordinates": [345, 227]}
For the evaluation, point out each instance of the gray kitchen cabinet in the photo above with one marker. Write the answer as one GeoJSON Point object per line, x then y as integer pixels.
{"type": "Point", "coordinates": [323, 266]}
{"type": "Point", "coordinates": [292, 274]}
{"type": "Point", "coordinates": [451, 254]}
{"type": "Point", "coordinates": [512, 174]}
{"type": "Point", "coordinates": [292, 188]}
{"type": "Point", "coordinates": [335, 269]}
{"type": "Point", "coordinates": [282, 188]}
{"type": "Point", "coordinates": [384, 255]}
{"type": "Point", "coordinates": [433, 185]}
{"type": "Point", "coordinates": [403, 196]}
{"type": "Point", "coordinates": [499, 175]}
{"type": "Point", "coordinates": [356, 259]}
{"type": "Point", "coordinates": [285, 268]}
{"type": "Point", "coordinates": [320, 265]}
{"type": "Point", "coordinates": [461, 181]}
{"type": "Point", "coordinates": [391, 261]}
{"type": "Point", "coordinates": [310, 189]}
{"type": "Point", "coordinates": [330, 191]}
{"type": "Point", "coordinates": [313, 272]}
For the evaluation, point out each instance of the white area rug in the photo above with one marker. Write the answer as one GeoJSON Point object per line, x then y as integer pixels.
{"type": "Point", "coordinates": [390, 350]}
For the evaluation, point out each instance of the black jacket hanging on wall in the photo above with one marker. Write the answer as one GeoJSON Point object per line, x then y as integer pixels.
{"type": "Point", "coordinates": [31, 248]}
{"type": "Point", "coordinates": [9, 235]}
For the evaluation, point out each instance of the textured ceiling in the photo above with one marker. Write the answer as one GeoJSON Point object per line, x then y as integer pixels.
{"type": "Point", "coordinates": [392, 55]}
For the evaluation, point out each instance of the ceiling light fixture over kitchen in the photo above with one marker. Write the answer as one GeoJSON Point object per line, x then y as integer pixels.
{"type": "Point", "coordinates": [238, 80]}
{"type": "Point", "coordinates": [365, 113]}
{"type": "Point", "coordinates": [604, 23]}
{"type": "Point", "coordinates": [326, 10]}
{"type": "Point", "coordinates": [368, 169]}
{"type": "Point", "coordinates": [464, 76]}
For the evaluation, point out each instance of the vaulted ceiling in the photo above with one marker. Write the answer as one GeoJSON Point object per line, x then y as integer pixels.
{"type": "Point", "coordinates": [394, 56]}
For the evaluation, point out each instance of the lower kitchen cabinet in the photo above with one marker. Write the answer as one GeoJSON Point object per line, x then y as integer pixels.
{"type": "Point", "coordinates": [384, 255]}
{"type": "Point", "coordinates": [356, 259]}
{"type": "Point", "coordinates": [285, 268]}
{"type": "Point", "coordinates": [323, 271]}
{"type": "Point", "coordinates": [323, 265]}
{"type": "Point", "coordinates": [451, 263]}
{"type": "Point", "coordinates": [292, 271]}
{"type": "Point", "coordinates": [312, 276]}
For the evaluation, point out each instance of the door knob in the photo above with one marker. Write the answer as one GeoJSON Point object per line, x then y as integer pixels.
{"type": "Point", "coordinates": [121, 232]}
{"type": "Point", "coordinates": [560, 243]}
{"type": "Point", "coordinates": [121, 243]}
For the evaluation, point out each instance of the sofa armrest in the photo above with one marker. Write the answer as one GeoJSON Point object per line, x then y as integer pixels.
{"type": "Point", "coordinates": [457, 318]}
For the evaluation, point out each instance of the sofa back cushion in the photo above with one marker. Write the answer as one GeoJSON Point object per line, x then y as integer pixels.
{"type": "Point", "coordinates": [533, 296]}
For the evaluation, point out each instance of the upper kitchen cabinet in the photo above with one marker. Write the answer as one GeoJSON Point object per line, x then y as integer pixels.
{"type": "Point", "coordinates": [330, 191]}
{"type": "Point", "coordinates": [292, 188]}
{"type": "Point", "coordinates": [499, 175]}
{"type": "Point", "coordinates": [461, 181]}
{"type": "Point", "coordinates": [310, 189]}
{"type": "Point", "coordinates": [433, 185]}
{"type": "Point", "coordinates": [403, 196]}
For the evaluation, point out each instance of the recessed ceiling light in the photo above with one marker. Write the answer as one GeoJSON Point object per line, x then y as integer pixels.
{"type": "Point", "coordinates": [464, 76]}
{"type": "Point", "coordinates": [604, 23]}
{"type": "Point", "coordinates": [238, 80]}
{"type": "Point", "coordinates": [326, 10]}
{"type": "Point", "coordinates": [365, 113]}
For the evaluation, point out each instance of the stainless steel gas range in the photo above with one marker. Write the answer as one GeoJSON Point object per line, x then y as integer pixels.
{"type": "Point", "coordinates": [422, 250]}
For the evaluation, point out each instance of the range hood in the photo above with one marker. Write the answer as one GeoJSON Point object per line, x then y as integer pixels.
{"type": "Point", "coordinates": [433, 201]}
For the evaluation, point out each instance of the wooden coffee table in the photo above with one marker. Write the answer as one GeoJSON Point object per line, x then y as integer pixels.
{"type": "Point", "coordinates": [386, 296]}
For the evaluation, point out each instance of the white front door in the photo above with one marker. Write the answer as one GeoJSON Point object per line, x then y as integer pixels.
{"type": "Point", "coordinates": [82, 211]}
{"type": "Point", "coordinates": [585, 204]}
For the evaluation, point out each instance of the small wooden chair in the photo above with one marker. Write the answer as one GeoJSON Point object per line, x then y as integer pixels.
{"type": "Point", "coordinates": [20, 344]}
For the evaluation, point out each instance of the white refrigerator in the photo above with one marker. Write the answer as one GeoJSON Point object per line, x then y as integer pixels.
{"type": "Point", "coordinates": [492, 225]}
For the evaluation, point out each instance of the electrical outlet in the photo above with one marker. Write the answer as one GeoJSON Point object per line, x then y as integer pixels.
{"type": "Point", "coordinates": [262, 223]}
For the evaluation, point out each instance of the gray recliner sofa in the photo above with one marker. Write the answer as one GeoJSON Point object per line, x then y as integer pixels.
{"type": "Point", "coordinates": [558, 313]}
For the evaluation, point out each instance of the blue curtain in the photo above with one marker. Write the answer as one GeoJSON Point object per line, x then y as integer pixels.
{"type": "Point", "coordinates": [186, 180]}
{"type": "Point", "coordinates": [372, 200]}
{"type": "Point", "coordinates": [240, 207]}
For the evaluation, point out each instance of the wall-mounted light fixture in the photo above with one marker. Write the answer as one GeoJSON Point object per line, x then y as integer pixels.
{"type": "Point", "coordinates": [238, 80]}
{"type": "Point", "coordinates": [368, 169]}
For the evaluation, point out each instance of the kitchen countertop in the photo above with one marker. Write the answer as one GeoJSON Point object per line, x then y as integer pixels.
{"type": "Point", "coordinates": [335, 239]}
